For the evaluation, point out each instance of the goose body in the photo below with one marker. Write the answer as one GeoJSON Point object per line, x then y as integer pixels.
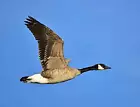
{"type": "Point", "coordinates": [55, 66]}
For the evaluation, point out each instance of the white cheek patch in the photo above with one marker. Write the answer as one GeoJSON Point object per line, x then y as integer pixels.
{"type": "Point", "coordinates": [100, 67]}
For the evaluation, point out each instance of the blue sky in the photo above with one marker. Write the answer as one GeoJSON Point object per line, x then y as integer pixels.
{"type": "Point", "coordinates": [94, 31]}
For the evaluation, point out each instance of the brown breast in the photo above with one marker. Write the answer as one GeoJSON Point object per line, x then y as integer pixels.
{"type": "Point", "coordinates": [60, 75]}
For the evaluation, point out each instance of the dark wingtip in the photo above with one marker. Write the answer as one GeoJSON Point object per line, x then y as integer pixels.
{"type": "Point", "coordinates": [31, 21]}
{"type": "Point", "coordinates": [30, 17]}
{"type": "Point", "coordinates": [26, 22]}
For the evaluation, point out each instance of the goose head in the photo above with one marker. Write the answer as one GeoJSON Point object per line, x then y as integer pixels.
{"type": "Point", "coordinates": [101, 67]}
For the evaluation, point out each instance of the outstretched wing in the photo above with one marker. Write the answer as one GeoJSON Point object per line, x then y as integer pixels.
{"type": "Point", "coordinates": [49, 43]}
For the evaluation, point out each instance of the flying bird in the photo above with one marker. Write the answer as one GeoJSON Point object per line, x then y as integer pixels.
{"type": "Point", "coordinates": [55, 68]}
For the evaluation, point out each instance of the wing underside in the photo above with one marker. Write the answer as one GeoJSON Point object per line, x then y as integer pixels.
{"type": "Point", "coordinates": [49, 43]}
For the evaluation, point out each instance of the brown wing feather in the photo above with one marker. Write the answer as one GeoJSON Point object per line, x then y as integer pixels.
{"type": "Point", "coordinates": [50, 44]}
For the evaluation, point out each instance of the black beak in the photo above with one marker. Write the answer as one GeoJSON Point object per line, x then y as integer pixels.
{"type": "Point", "coordinates": [107, 67]}
{"type": "Point", "coordinates": [24, 79]}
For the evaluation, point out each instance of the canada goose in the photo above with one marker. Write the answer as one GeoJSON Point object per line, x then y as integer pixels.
{"type": "Point", "coordinates": [55, 66]}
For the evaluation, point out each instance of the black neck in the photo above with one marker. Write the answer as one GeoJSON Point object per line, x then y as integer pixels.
{"type": "Point", "coordinates": [82, 70]}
